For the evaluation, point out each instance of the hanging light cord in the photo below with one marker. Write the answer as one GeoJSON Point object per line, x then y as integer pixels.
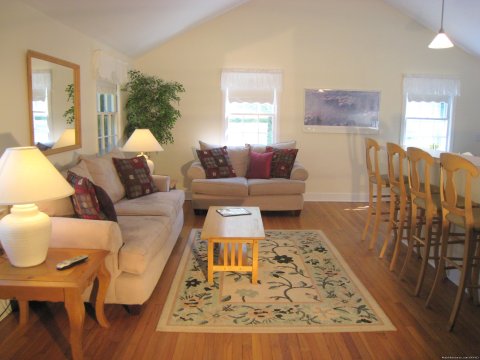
{"type": "Point", "coordinates": [441, 22]}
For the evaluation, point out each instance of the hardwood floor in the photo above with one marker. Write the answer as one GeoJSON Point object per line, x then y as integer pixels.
{"type": "Point", "coordinates": [421, 333]}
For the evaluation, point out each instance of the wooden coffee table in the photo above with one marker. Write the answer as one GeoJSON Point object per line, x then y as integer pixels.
{"type": "Point", "coordinates": [233, 232]}
{"type": "Point", "coordinates": [45, 283]}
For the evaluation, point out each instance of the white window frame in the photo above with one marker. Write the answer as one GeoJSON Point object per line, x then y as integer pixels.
{"type": "Point", "coordinates": [428, 89]}
{"type": "Point", "coordinates": [110, 120]}
{"type": "Point", "coordinates": [251, 82]}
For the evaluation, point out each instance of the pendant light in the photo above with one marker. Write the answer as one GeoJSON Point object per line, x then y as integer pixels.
{"type": "Point", "coordinates": [441, 41]}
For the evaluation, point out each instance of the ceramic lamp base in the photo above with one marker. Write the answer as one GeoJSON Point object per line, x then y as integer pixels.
{"type": "Point", "coordinates": [150, 164]}
{"type": "Point", "coordinates": [25, 235]}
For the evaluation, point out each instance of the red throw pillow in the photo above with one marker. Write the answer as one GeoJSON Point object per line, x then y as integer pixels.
{"type": "Point", "coordinates": [282, 162]}
{"type": "Point", "coordinates": [135, 176]}
{"type": "Point", "coordinates": [260, 164]}
{"type": "Point", "coordinates": [85, 202]}
{"type": "Point", "coordinates": [216, 163]}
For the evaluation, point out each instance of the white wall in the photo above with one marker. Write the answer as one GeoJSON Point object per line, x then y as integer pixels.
{"type": "Point", "coordinates": [23, 28]}
{"type": "Point", "coordinates": [347, 44]}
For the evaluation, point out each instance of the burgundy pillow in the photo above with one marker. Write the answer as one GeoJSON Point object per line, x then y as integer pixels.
{"type": "Point", "coordinates": [135, 176]}
{"type": "Point", "coordinates": [282, 162]}
{"type": "Point", "coordinates": [106, 204]}
{"type": "Point", "coordinates": [85, 202]}
{"type": "Point", "coordinates": [216, 163]}
{"type": "Point", "coordinates": [260, 164]}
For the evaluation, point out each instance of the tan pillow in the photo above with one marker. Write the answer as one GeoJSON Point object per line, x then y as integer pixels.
{"type": "Point", "coordinates": [259, 148]}
{"type": "Point", "coordinates": [238, 156]}
{"type": "Point", "coordinates": [104, 174]}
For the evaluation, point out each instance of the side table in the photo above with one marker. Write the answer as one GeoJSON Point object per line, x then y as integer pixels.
{"type": "Point", "coordinates": [45, 283]}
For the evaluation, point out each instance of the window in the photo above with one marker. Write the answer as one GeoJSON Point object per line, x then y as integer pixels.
{"type": "Point", "coordinates": [429, 105]}
{"type": "Point", "coordinates": [107, 117]}
{"type": "Point", "coordinates": [41, 105]}
{"type": "Point", "coordinates": [251, 103]}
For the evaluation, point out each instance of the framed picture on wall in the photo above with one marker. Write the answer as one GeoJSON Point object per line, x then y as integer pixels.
{"type": "Point", "coordinates": [341, 111]}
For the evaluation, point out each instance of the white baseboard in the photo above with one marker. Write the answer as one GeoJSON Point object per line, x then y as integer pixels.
{"type": "Point", "coordinates": [336, 197]}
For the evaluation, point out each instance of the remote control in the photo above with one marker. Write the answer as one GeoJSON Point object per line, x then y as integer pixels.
{"type": "Point", "coordinates": [66, 264]}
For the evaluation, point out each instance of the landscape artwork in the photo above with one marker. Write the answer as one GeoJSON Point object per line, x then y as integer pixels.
{"type": "Point", "coordinates": [341, 108]}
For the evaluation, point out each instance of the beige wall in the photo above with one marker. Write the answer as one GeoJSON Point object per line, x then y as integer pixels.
{"type": "Point", "coordinates": [347, 44]}
{"type": "Point", "coordinates": [23, 28]}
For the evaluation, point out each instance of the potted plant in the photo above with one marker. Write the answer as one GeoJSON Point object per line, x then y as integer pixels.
{"type": "Point", "coordinates": [149, 105]}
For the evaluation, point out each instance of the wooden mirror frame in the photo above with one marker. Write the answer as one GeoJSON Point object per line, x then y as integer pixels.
{"type": "Point", "coordinates": [76, 82]}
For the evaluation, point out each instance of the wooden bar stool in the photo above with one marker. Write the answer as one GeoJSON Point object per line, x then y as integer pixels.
{"type": "Point", "coordinates": [400, 208]}
{"type": "Point", "coordinates": [376, 183]}
{"type": "Point", "coordinates": [425, 212]}
{"type": "Point", "coordinates": [458, 211]}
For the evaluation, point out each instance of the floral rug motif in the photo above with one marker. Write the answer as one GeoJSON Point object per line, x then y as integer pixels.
{"type": "Point", "coordinates": [304, 286]}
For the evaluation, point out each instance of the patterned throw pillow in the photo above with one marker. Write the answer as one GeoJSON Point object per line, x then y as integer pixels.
{"type": "Point", "coordinates": [282, 162]}
{"type": "Point", "coordinates": [84, 199]}
{"type": "Point", "coordinates": [216, 163]}
{"type": "Point", "coordinates": [135, 176]}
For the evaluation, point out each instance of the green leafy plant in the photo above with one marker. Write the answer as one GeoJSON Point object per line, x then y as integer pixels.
{"type": "Point", "coordinates": [149, 105]}
{"type": "Point", "coordinates": [69, 114]}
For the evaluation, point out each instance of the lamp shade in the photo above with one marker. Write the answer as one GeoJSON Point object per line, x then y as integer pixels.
{"type": "Point", "coordinates": [27, 176]}
{"type": "Point", "coordinates": [66, 139]}
{"type": "Point", "coordinates": [441, 41]}
{"type": "Point", "coordinates": [142, 140]}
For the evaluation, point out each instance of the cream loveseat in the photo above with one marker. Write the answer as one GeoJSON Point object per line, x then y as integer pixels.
{"type": "Point", "coordinates": [139, 244]}
{"type": "Point", "coordinates": [270, 194]}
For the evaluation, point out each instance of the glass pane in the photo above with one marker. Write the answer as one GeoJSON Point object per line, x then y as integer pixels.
{"type": "Point", "coordinates": [427, 110]}
{"type": "Point", "coordinates": [426, 134]}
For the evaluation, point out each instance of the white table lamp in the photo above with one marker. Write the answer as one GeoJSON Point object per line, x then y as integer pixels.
{"type": "Point", "coordinates": [26, 176]}
{"type": "Point", "coordinates": [142, 140]}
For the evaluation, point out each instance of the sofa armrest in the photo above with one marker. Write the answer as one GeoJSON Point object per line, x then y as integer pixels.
{"type": "Point", "coordinates": [298, 172]}
{"type": "Point", "coordinates": [89, 234]}
{"type": "Point", "coordinates": [85, 234]}
{"type": "Point", "coordinates": [162, 182]}
{"type": "Point", "coordinates": [196, 171]}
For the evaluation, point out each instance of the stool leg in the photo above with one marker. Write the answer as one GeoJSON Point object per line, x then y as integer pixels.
{"type": "Point", "coordinates": [370, 209]}
{"type": "Point", "coordinates": [392, 218]}
{"type": "Point", "coordinates": [426, 256]}
{"type": "Point", "coordinates": [441, 263]}
{"type": "Point", "coordinates": [476, 269]}
{"type": "Point", "coordinates": [411, 241]}
{"type": "Point", "coordinates": [378, 215]}
{"type": "Point", "coordinates": [400, 227]}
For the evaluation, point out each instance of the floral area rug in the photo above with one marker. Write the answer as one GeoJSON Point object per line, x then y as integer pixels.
{"type": "Point", "coordinates": [304, 286]}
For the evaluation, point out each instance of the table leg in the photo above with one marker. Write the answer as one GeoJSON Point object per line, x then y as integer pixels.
{"type": "Point", "coordinates": [210, 261]}
{"type": "Point", "coordinates": [76, 315]}
{"type": "Point", "coordinates": [24, 311]}
{"type": "Point", "coordinates": [103, 277]}
{"type": "Point", "coordinates": [255, 262]}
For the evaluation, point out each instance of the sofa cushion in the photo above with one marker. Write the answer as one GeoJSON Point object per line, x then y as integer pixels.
{"type": "Point", "coordinates": [159, 203]}
{"type": "Point", "coordinates": [259, 166]}
{"type": "Point", "coordinates": [144, 237]}
{"type": "Point", "coordinates": [222, 187]}
{"type": "Point", "coordinates": [135, 176]}
{"type": "Point", "coordinates": [281, 145]}
{"type": "Point", "coordinates": [238, 156]}
{"type": "Point", "coordinates": [85, 202]}
{"type": "Point", "coordinates": [276, 186]}
{"type": "Point", "coordinates": [216, 163]}
{"type": "Point", "coordinates": [282, 162]}
{"type": "Point", "coordinates": [104, 174]}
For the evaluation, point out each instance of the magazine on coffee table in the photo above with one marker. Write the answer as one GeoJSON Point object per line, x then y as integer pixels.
{"type": "Point", "coordinates": [233, 211]}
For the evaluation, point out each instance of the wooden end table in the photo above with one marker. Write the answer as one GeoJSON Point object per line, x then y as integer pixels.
{"type": "Point", "coordinates": [45, 283]}
{"type": "Point", "coordinates": [233, 232]}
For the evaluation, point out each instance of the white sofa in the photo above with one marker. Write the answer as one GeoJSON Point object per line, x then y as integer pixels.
{"type": "Point", "coordinates": [139, 244]}
{"type": "Point", "coordinates": [274, 194]}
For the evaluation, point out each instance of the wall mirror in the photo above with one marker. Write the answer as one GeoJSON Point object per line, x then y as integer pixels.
{"type": "Point", "coordinates": [54, 103]}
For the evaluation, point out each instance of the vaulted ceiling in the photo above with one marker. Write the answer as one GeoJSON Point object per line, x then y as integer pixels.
{"type": "Point", "coordinates": [135, 27]}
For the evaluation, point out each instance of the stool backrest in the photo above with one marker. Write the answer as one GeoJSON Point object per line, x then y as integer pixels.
{"type": "Point", "coordinates": [396, 172]}
{"type": "Point", "coordinates": [420, 164]}
{"type": "Point", "coordinates": [373, 166]}
{"type": "Point", "coordinates": [451, 166]}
